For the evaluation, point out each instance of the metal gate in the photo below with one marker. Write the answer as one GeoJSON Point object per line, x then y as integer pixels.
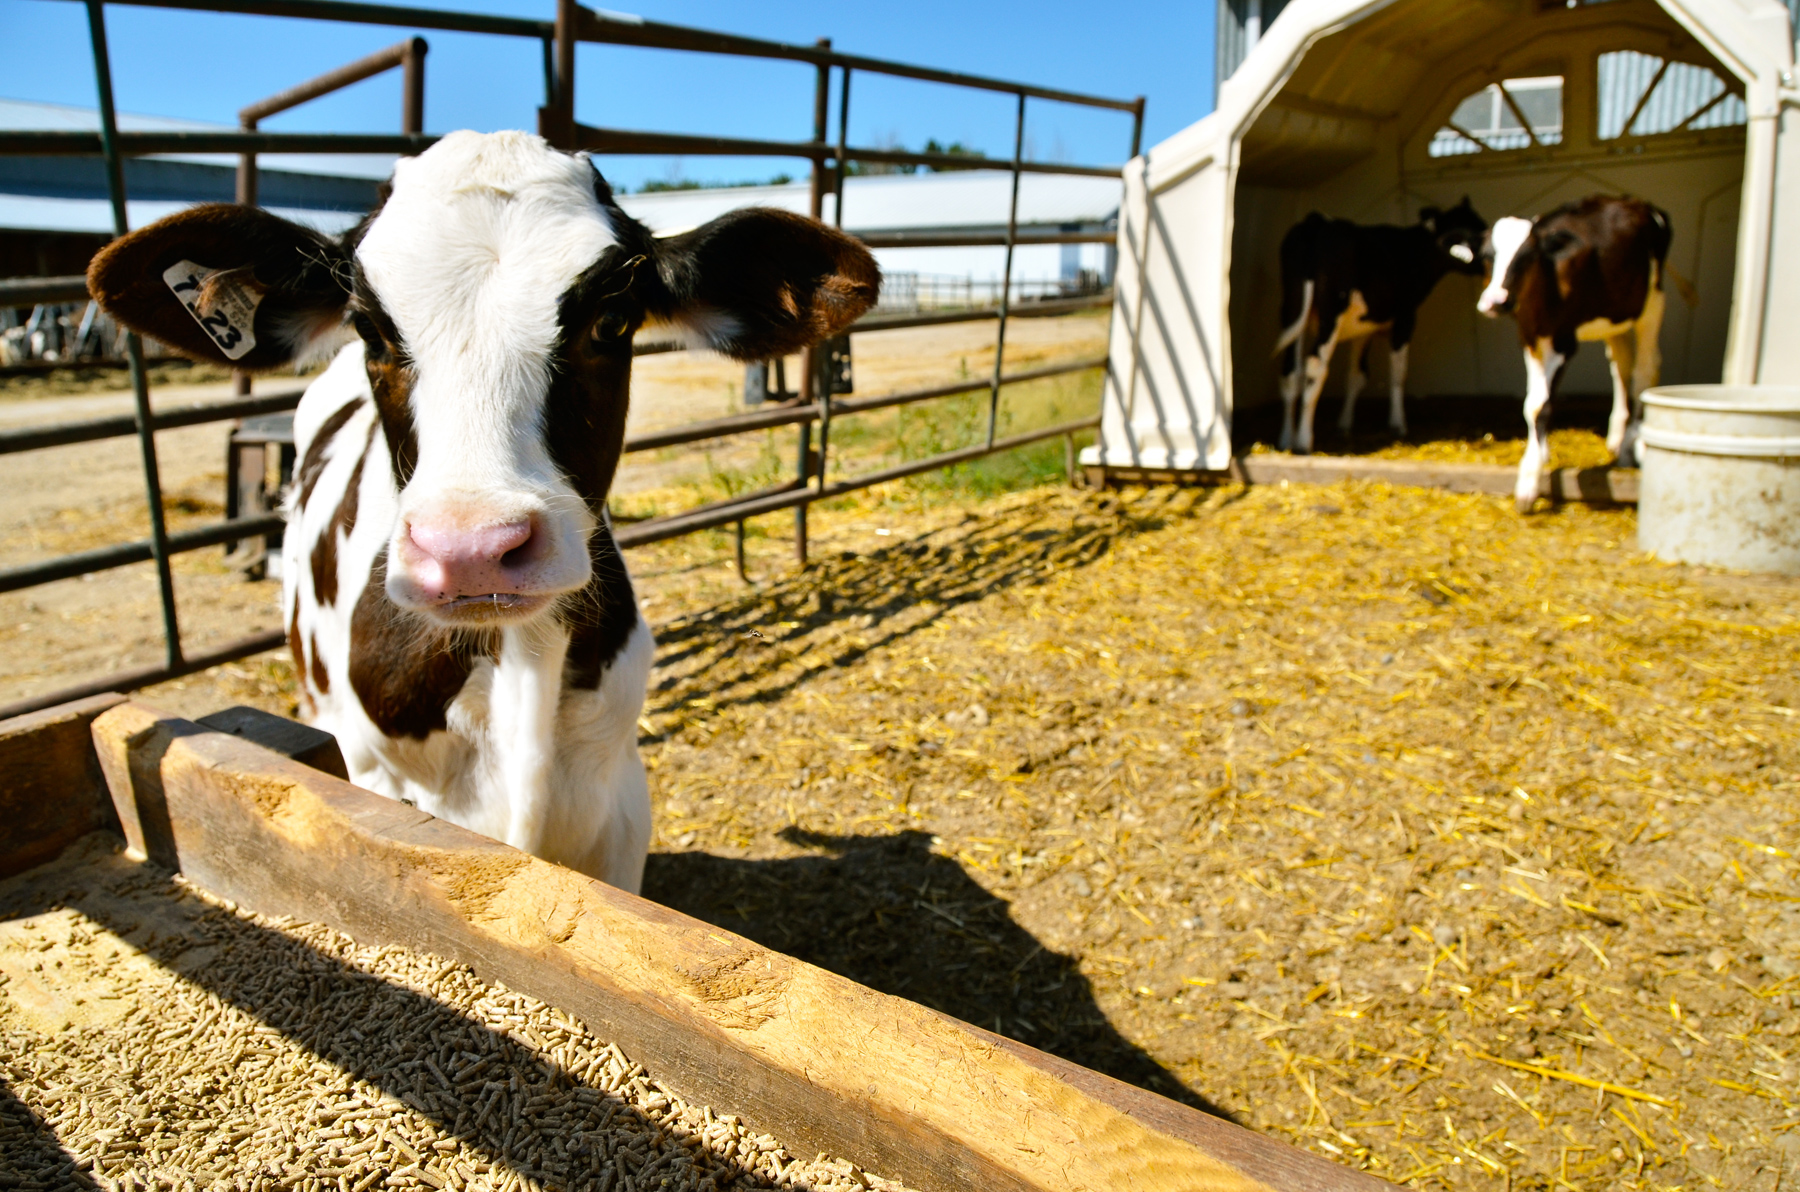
{"type": "Point", "coordinates": [815, 406]}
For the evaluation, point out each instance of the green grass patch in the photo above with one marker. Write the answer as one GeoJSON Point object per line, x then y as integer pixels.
{"type": "Point", "coordinates": [863, 443]}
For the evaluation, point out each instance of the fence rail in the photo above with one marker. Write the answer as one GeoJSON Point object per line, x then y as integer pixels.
{"type": "Point", "coordinates": [60, 143]}
{"type": "Point", "coordinates": [815, 406]}
{"type": "Point", "coordinates": [658, 529]}
{"type": "Point", "coordinates": [89, 430]}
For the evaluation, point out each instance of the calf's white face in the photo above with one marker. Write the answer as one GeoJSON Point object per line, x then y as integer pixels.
{"type": "Point", "coordinates": [469, 260]}
{"type": "Point", "coordinates": [1506, 238]}
{"type": "Point", "coordinates": [496, 292]}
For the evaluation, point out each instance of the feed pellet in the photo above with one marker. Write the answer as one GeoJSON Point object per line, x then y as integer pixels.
{"type": "Point", "coordinates": [154, 1037]}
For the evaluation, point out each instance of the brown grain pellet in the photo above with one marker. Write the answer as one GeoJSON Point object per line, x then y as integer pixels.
{"type": "Point", "coordinates": [153, 1037]}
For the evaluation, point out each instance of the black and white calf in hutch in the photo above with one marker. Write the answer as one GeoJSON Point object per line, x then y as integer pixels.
{"type": "Point", "coordinates": [1342, 284]}
{"type": "Point", "coordinates": [1589, 270]}
{"type": "Point", "coordinates": [459, 612]}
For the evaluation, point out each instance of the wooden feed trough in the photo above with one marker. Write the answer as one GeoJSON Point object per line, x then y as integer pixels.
{"type": "Point", "coordinates": [816, 1060]}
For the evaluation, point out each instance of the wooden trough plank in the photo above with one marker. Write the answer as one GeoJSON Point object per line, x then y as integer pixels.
{"type": "Point", "coordinates": [821, 1062]}
{"type": "Point", "coordinates": [1597, 486]}
{"type": "Point", "coordinates": [51, 793]}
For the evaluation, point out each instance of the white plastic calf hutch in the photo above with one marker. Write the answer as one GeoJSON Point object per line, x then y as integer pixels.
{"type": "Point", "coordinates": [1371, 111]}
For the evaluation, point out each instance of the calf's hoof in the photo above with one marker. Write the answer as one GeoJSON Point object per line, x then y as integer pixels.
{"type": "Point", "coordinates": [1524, 503]}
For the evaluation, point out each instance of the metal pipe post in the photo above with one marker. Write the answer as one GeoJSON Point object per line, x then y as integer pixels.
{"type": "Point", "coordinates": [1012, 235]}
{"type": "Point", "coordinates": [556, 119]}
{"type": "Point", "coordinates": [332, 80]}
{"type": "Point", "coordinates": [412, 86]}
{"type": "Point", "coordinates": [809, 356]}
{"type": "Point", "coordinates": [246, 171]}
{"type": "Point", "coordinates": [805, 473]}
{"type": "Point", "coordinates": [246, 197]}
{"type": "Point", "coordinates": [567, 15]}
{"type": "Point", "coordinates": [837, 213]}
{"type": "Point", "coordinates": [134, 348]}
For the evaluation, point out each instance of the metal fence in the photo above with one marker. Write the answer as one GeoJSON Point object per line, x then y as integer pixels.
{"type": "Point", "coordinates": [812, 411]}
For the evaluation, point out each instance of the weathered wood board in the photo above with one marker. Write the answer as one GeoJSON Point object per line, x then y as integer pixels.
{"type": "Point", "coordinates": [50, 789]}
{"type": "Point", "coordinates": [807, 1055]}
{"type": "Point", "coordinates": [1596, 486]}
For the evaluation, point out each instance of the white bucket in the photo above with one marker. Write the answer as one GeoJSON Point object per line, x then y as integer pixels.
{"type": "Point", "coordinates": [1721, 476]}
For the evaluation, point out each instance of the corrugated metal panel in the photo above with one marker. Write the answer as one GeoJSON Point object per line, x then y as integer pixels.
{"type": "Point", "coordinates": [36, 214]}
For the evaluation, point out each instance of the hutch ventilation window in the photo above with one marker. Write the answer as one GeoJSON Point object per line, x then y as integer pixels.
{"type": "Point", "coordinates": [1510, 114]}
{"type": "Point", "coordinates": [1642, 95]}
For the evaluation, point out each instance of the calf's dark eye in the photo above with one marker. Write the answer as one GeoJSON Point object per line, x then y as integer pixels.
{"type": "Point", "coordinates": [365, 327]}
{"type": "Point", "coordinates": [609, 326]}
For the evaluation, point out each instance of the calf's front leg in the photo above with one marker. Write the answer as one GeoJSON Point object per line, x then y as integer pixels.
{"type": "Point", "coordinates": [1619, 359]}
{"type": "Point", "coordinates": [1290, 393]}
{"type": "Point", "coordinates": [1397, 389]}
{"type": "Point", "coordinates": [1542, 364]}
{"type": "Point", "coordinates": [1353, 385]}
{"type": "Point", "coordinates": [1317, 367]}
{"type": "Point", "coordinates": [1646, 372]}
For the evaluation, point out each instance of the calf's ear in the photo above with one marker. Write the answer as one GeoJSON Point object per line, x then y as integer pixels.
{"type": "Point", "coordinates": [760, 283]}
{"type": "Point", "coordinates": [228, 285]}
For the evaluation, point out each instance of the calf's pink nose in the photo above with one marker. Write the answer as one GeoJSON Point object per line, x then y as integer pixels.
{"type": "Point", "coordinates": [455, 561]}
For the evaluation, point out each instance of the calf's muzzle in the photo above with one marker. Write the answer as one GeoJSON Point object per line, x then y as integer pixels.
{"type": "Point", "coordinates": [451, 563]}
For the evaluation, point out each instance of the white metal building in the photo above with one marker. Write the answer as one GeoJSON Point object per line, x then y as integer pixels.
{"type": "Point", "coordinates": [972, 201]}
{"type": "Point", "coordinates": [1373, 109]}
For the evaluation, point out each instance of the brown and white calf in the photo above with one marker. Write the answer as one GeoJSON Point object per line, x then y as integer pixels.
{"type": "Point", "coordinates": [1589, 270]}
{"type": "Point", "coordinates": [458, 610]}
{"type": "Point", "coordinates": [1341, 284]}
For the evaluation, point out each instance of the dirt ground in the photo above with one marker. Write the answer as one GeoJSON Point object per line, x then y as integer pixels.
{"type": "Point", "coordinates": [1448, 843]}
{"type": "Point", "coordinates": [1451, 844]}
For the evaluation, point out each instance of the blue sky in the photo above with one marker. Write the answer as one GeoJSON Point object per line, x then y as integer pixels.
{"type": "Point", "coordinates": [205, 66]}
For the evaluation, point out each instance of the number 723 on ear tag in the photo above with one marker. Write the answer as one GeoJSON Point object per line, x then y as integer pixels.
{"type": "Point", "coordinates": [231, 320]}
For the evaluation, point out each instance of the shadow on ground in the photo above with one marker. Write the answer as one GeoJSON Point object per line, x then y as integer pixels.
{"type": "Point", "coordinates": [1428, 419]}
{"type": "Point", "coordinates": [891, 914]}
{"type": "Point", "coordinates": [762, 646]}
{"type": "Point", "coordinates": [31, 1153]}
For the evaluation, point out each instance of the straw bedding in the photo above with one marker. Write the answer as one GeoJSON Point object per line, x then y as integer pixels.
{"type": "Point", "coordinates": [1452, 844]}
